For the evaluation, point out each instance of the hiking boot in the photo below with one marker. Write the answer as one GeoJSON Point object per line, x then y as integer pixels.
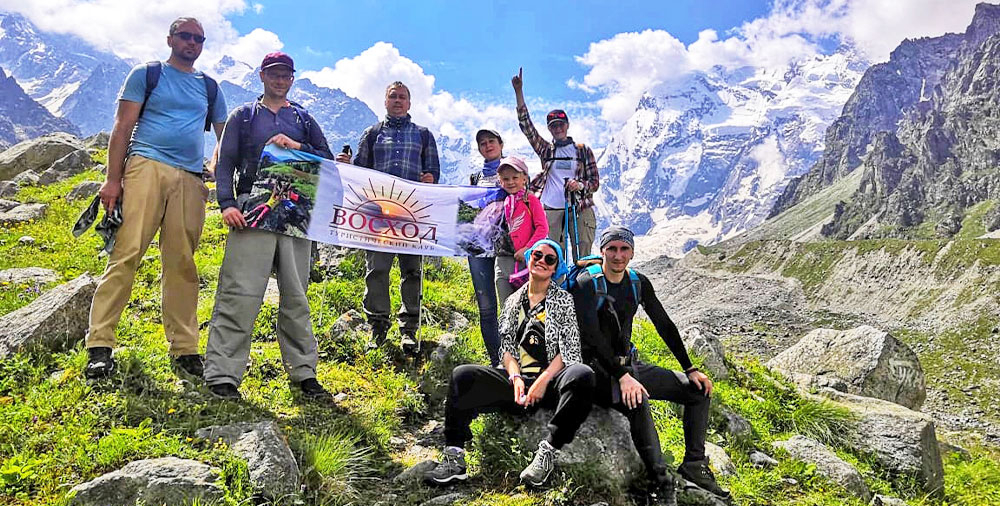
{"type": "Point", "coordinates": [379, 334]}
{"type": "Point", "coordinates": [538, 471]}
{"type": "Point", "coordinates": [697, 472]}
{"type": "Point", "coordinates": [193, 365]}
{"type": "Point", "coordinates": [664, 493]}
{"type": "Point", "coordinates": [225, 391]}
{"type": "Point", "coordinates": [408, 342]}
{"type": "Point", "coordinates": [313, 390]}
{"type": "Point", "coordinates": [100, 364]}
{"type": "Point", "coordinates": [451, 468]}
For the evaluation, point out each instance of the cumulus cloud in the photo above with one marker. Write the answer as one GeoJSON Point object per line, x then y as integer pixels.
{"type": "Point", "coordinates": [137, 30]}
{"type": "Point", "coordinates": [366, 75]}
{"type": "Point", "coordinates": [622, 68]}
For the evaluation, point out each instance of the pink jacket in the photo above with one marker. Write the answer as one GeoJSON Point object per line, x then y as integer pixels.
{"type": "Point", "coordinates": [526, 220]}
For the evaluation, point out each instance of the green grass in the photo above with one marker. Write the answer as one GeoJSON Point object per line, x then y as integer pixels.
{"type": "Point", "coordinates": [57, 430]}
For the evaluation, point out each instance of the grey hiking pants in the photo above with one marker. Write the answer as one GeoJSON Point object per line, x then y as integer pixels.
{"type": "Point", "coordinates": [376, 300]}
{"type": "Point", "coordinates": [250, 257]}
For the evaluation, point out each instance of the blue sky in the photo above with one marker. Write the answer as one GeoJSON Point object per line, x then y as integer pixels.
{"type": "Point", "coordinates": [473, 48]}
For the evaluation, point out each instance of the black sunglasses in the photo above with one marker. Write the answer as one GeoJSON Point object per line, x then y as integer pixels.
{"type": "Point", "coordinates": [187, 36]}
{"type": "Point", "coordinates": [549, 258]}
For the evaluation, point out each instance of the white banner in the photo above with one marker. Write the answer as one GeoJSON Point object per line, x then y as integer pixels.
{"type": "Point", "coordinates": [306, 196]}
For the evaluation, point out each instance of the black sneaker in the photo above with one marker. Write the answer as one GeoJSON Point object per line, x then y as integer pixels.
{"type": "Point", "coordinates": [100, 364]}
{"type": "Point", "coordinates": [408, 342]}
{"type": "Point", "coordinates": [451, 468]}
{"type": "Point", "coordinates": [225, 391]}
{"type": "Point", "coordinates": [664, 493]}
{"type": "Point", "coordinates": [379, 334]}
{"type": "Point", "coordinates": [313, 390]}
{"type": "Point", "coordinates": [697, 472]}
{"type": "Point", "coordinates": [192, 365]}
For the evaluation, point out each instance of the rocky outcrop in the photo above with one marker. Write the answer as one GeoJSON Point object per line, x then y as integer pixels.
{"type": "Point", "coordinates": [273, 471]}
{"type": "Point", "coordinates": [827, 463]}
{"type": "Point", "coordinates": [23, 118]}
{"type": "Point", "coordinates": [37, 154]}
{"type": "Point", "coordinates": [602, 444]}
{"type": "Point", "coordinates": [708, 347]}
{"type": "Point", "coordinates": [862, 361]}
{"type": "Point", "coordinates": [23, 214]}
{"type": "Point", "coordinates": [84, 190]}
{"type": "Point", "coordinates": [32, 275]}
{"type": "Point", "coordinates": [167, 480]}
{"type": "Point", "coordinates": [902, 441]}
{"type": "Point", "coordinates": [53, 321]}
{"type": "Point", "coordinates": [69, 165]}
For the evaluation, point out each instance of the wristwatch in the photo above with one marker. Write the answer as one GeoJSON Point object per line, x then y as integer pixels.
{"type": "Point", "coordinates": [512, 376]}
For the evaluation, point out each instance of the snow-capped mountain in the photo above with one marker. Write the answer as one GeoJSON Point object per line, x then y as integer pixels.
{"type": "Point", "coordinates": [22, 118]}
{"type": "Point", "coordinates": [704, 157]}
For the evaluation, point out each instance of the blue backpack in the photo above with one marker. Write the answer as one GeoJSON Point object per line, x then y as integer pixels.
{"type": "Point", "coordinates": [591, 265]}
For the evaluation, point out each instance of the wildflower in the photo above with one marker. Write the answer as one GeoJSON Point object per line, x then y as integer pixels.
{"type": "Point", "coordinates": [171, 411]}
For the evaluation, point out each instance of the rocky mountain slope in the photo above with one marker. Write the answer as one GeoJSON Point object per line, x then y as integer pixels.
{"type": "Point", "coordinates": [21, 118]}
{"type": "Point", "coordinates": [921, 128]}
{"type": "Point", "coordinates": [705, 157]}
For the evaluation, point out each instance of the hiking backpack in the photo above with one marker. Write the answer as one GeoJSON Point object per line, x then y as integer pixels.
{"type": "Point", "coordinates": [153, 71]}
{"type": "Point", "coordinates": [591, 265]}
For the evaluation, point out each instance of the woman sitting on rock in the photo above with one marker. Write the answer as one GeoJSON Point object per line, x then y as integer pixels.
{"type": "Point", "coordinates": [540, 352]}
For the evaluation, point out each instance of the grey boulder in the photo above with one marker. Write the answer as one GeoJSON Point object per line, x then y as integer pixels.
{"type": "Point", "coordinates": [164, 481]}
{"type": "Point", "coordinates": [23, 214]}
{"type": "Point", "coordinates": [84, 190]}
{"type": "Point", "coordinates": [272, 467]}
{"type": "Point", "coordinates": [861, 361]}
{"type": "Point", "coordinates": [827, 463]}
{"type": "Point", "coordinates": [56, 319]}
{"type": "Point", "coordinates": [6, 205]}
{"type": "Point", "coordinates": [602, 444]}
{"type": "Point", "coordinates": [719, 460]}
{"type": "Point", "coordinates": [708, 347]}
{"type": "Point", "coordinates": [37, 154]}
{"type": "Point", "coordinates": [31, 275]}
{"type": "Point", "coordinates": [26, 178]}
{"type": "Point", "coordinates": [903, 441]}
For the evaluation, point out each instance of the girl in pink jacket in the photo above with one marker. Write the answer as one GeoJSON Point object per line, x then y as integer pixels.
{"type": "Point", "coordinates": [525, 222]}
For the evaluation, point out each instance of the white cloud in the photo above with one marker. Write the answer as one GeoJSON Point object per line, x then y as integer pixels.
{"type": "Point", "coordinates": [258, 8]}
{"type": "Point", "coordinates": [137, 30]}
{"type": "Point", "coordinates": [622, 68]}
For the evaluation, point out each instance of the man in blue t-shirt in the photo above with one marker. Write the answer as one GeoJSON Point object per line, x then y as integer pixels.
{"type": "Point", "coordinates": [155, 158]}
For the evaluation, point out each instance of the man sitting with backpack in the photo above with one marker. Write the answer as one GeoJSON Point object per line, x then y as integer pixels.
{"type": "Point", "coordinates": [607, 296]}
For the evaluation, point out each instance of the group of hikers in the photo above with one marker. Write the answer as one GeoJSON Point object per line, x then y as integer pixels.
{"type": "Point", "coordinates": [561, 340]}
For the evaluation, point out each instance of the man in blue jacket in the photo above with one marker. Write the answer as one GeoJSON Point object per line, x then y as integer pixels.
{"type": "Point", "coordinates": [251, 254]}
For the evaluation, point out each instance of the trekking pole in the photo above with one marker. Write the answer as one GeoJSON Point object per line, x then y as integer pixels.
{"type": "Point", "coordinates": [566, 210]}
{"type": "Point", "coordinates": [576, 229]}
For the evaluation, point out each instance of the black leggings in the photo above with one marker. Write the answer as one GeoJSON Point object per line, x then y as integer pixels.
{"type": "Point", "coordinates": [476, 389]}
{"type": "Point", "coordinates": [666, 385]}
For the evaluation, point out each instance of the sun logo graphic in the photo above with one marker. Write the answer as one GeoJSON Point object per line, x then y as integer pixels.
{"type": "Point", "coordinates": [384, 216]}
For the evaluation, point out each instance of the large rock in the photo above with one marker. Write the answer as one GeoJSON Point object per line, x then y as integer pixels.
{"type": "Point", "coordinates": [8, 189]}
{"type": "Point", "coordinates": [719, 460]}
{"type": "Point", "coordinates": [273, 470]}
{"type": "Point", "coordinates": [97, 141]}
{"type": "Point", "coordinates": [53, 321]}
{"type": "Point", "coordinates": [6, 205]}
{"type": "Point", "coordinates": [903, 441]}
{"type": "Point", "coordinates": [603, 444]}
{"type": "Point", "coordinates": [23, 214]}
{"type": "Point", "coordinates": [862, 361]}
{"type": "Point", "coordinates": [69, 165]}
{"type": "Point", "coordinates": [707, 346]}
{"type": "Point", "coordinates": [84, 190]}
{"type": "Point", "coordinates": [33, 275]}
{"type": "Point", "coordinates": [37, 154]}
{"type": "Point", "coordinates": [827, 463]}
{"type": "Point", "coordinates": [26, 178]}
{"type": "Point", "coordinates": [167, 480]}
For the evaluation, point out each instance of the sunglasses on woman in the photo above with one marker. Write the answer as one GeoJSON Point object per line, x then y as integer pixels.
{"type": "Point", "coordinates": [187, 36]}
{"type": "Point", "coordinates": [549, 258]}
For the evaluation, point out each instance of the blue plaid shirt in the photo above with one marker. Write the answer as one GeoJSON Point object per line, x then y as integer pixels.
{"type": "Point", "coordinates": [398, 149]}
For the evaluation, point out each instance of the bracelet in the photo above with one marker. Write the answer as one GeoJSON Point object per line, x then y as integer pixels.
{"type": "Point", "coordinates": [512, 376]}
{"type": "Point", "coordinates": [691, 370]}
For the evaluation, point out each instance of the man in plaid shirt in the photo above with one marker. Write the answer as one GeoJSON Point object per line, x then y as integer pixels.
{"type": "Point", "coordinates": [404, 149]}
{"type": "Point", "coordinates": [566, 167]}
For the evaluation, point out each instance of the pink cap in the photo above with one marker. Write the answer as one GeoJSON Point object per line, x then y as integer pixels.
{"type": "Point", "coordinates": [277, 58]}
{"type": "Point", "coordinates": [515, 163]}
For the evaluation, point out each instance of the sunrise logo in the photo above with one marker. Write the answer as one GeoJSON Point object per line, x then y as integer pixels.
{"type": "Point", "coordinates": [384, 216]}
